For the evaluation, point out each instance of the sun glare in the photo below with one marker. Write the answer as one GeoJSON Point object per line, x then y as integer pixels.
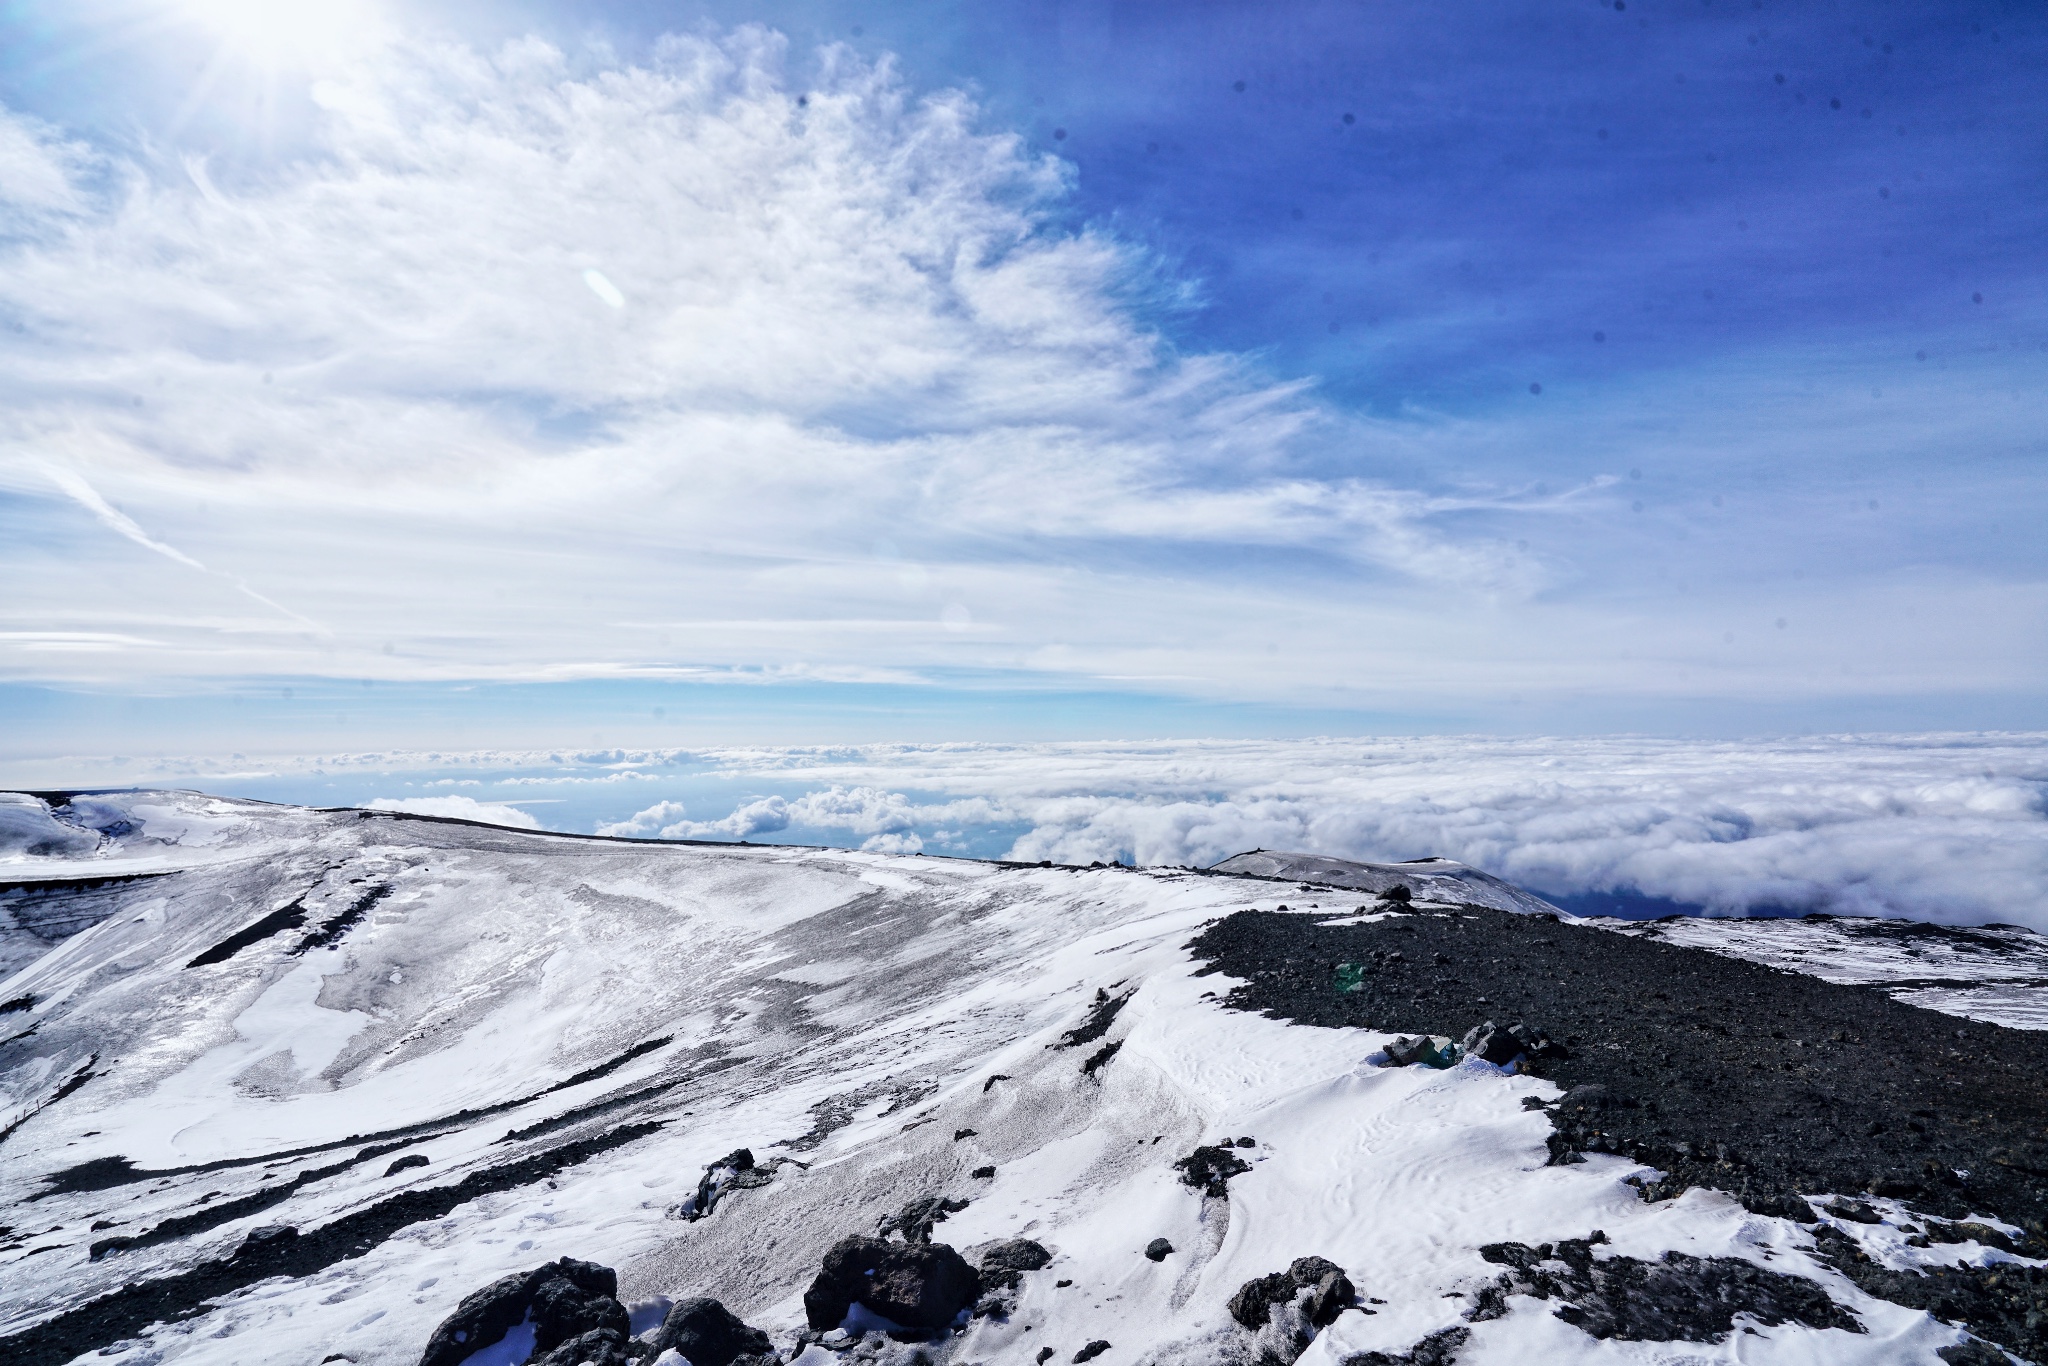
{"type": "Point", "coordinates": [282, 32]}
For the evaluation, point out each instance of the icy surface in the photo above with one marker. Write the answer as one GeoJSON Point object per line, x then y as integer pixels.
{"type": "Point", "coordinates": [845, 1010]}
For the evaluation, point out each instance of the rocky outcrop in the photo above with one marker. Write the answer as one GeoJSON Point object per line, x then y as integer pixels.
{"type": "Point", "coordinates": [733, 1172]}
{"type": "Point", "coordinates": [1681, 1298]}
{"type": "Point", "coordinates": [1502, 1044]}
{"type": "Point", "coordinates": [918, 1286]}
{"type": "Point", "coordinates": [564, 1300]}
{"type": "Point", "coordinates": [706, 1333]}
{"type": "Point", "coordinates": [915, 1220]}
{"type": "Point", "coordinates": [1004, 1265]}
{"type": "Point", "coordinates": [1209, 1169]}
{"type": "Point", "coordinates": [1330, 1293]}
{"type": "Point", "coordinates": [1438, 1349]}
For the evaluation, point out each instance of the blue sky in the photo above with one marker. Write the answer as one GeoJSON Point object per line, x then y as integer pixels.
{"type": "Point", "coordinates": [670, 374]}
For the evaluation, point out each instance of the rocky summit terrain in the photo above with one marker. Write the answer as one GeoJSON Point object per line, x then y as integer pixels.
{"type": "Point", "coordinates": [283, 1085]}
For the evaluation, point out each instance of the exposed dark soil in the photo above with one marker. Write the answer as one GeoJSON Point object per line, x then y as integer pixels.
{"type": "Point", "coordinates": [1720, 1072]}
{"type": "Point", "coordinates": [2004, 1304]}
{"type": "Point", "coordinates": [277, 922]}
{"type": "Point", "coordinates": [1101, 1015]}
{"type": "Point", "coordinates": [124, 1313]}
{"type": "Point", "coordinates": [1438, 1349]}
{"type": "Point", "coordinates": [330, 931]}
{"type": "Point", "coordinates": [1682, 1298]}
{"type": "Point", "coordinates": [1716, 1071]}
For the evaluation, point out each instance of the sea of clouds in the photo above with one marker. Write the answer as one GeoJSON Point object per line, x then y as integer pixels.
{"type": "Point", "coordinates": [1950, 827]}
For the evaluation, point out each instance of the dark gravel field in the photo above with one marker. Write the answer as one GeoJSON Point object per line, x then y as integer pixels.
{"type": "Point", "coordinates": [1717, 1072]}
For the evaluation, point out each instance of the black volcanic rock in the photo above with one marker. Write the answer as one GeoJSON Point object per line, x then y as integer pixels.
{"type": "Point", "coordinates": [916, 1285]}
{"type": "Point", "coordinates": [1252, 1304]}
{"type": "Point", "coordinates": [1003, 1265]}
{"type": "Point", "coordinates": [915, 1220]}
{"type": "Point", "coordinates": [1209, 1169]}
{"type": "Point", "coordinates": [598, 1347]}
{"type": "Point", "coordinates": [707, 1334]}
{"type": "Point", "coordinates": [567, 1299]}
{"type": "Point", "coordinates": [1682, 1298]}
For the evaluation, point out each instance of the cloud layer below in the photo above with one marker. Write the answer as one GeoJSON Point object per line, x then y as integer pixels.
{"type": "Point", "coordinates": [1939, 827]}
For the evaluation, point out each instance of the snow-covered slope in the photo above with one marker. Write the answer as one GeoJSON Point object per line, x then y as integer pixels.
{"type": "Point", "coordinates": [1440, 880]}
{"type": "Point", "coordinates": [569, 1031]}
{"type": "Point", "coordinates": [65, 858]}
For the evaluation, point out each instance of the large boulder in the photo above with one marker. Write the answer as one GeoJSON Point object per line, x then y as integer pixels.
{"type": "Point", "coordinates": [566, 1299]}
{"type": "Point", "coordinates": [706, 1333]}
{"type": "Point", "coordinates": [913, 1285]}
{"type": "Point", "coordinates": [1330, 1293]}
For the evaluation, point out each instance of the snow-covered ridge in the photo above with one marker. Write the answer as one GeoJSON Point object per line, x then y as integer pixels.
{"type": "Point", "coordinates": [570, 1031]}
{"type": "Point", "coordinates": [1441, 880]}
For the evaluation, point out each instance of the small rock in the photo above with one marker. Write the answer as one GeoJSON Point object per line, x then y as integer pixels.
{"type": "Point", "coordinates": [915, 1220]}
{"type": "Point", "coordinates": [734, 1171]}
{"type": "Point", "coordinates": [1490, 1043]}
{"type": "Point", "coordinates": [984, 1173]}
{"type": "Point", "coordinates": [1397, 892]}
{"type": "Point", "coordinates": [1247, 1142]}
{"type": "Point", "coordinates": [959, 1134]}
{"type": "Point", "coordinates": [406, 1163]}
{"type": "Point", "coordinates": [1091, 1351]}
{"type": "Point", "coordinates": [1853, 1210]}
{"type": "Point", "coordinates": [1045, 1354]}
{"type": "Point", "coordinates": [1158, 1250]}
{"type": "Point", "coordinates": [1422, 1049]}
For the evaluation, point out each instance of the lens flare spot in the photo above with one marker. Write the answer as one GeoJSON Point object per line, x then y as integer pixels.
{"type": "Point", "coordinates": [604, 288]}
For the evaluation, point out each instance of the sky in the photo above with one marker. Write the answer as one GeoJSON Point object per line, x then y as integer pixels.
{"type": "Point", "coordinates": [455, 376]}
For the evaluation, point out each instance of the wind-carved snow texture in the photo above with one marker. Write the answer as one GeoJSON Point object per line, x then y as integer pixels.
{"type": "Point", "coordinates": [589, 1042]}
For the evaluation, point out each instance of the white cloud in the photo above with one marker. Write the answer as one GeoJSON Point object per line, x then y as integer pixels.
{"type": "Point", "coordinates": [461, 808]}
{"type": "Point", "coordinates": [1935, 827]}
{"type": "Point", "coordinates": [886, 822]}
{"type": "Point", "coordinates": [548, 374]}
{"type": "Point", "coordinates": [657, 819]}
